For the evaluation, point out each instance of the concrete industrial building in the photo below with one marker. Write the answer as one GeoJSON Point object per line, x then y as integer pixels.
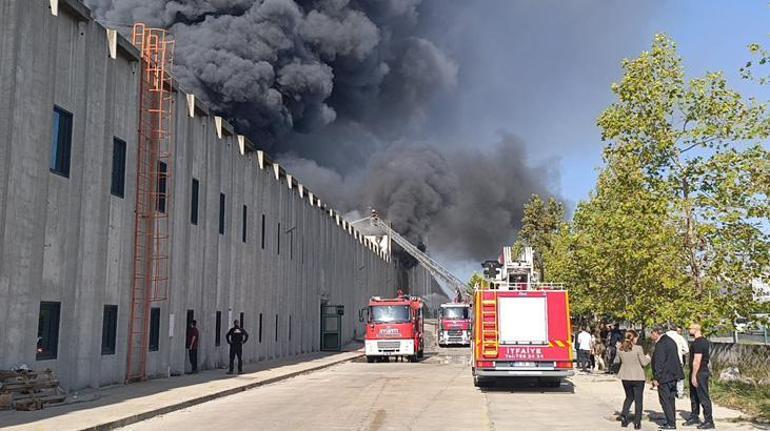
{"type": "Point", "coordinates": [246, 239]}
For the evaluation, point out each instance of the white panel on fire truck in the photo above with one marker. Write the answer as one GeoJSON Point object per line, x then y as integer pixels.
{"type": "Point", "coordinates": [523, 320]}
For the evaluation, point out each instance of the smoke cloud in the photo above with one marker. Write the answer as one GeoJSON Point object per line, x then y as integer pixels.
{"type": "Point", "coordinates": [465, 202]}
{"type": "Point", "coordinates": [393, 104]}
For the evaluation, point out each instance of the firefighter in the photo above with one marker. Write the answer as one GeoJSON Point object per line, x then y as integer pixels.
{"type": "Point", "coordinates": [236, 337]}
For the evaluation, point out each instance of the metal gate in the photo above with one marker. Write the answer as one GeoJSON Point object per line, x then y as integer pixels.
{"type": "Point", "coordinates": [331, 327]}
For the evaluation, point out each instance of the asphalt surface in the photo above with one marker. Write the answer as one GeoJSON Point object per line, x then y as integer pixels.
{"type": "Point", "coordinates": [434, 394]}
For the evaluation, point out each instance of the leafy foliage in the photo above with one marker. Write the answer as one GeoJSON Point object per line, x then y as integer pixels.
{"type": "Point", "coordinates": [677, 226]}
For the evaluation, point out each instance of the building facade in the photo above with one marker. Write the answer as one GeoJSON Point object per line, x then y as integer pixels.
{"type": "Point", "coordinates": [246, 241]}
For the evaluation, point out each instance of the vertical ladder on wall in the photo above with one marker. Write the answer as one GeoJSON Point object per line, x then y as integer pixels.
{"type": "Point", "coordinates": [489, 333]}
{"type": "Point", "coordinates": [150, 279]}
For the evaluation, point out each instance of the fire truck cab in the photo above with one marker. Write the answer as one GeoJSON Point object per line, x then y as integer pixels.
{"type": "Point", "coordinates": [454, 324]}
{"type": "Point", "coordinates": [394, 327]}
{"type": "Point", "coordinates": [521, 327]}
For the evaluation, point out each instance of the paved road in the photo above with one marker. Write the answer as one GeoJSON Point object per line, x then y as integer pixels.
{"type": "Point", "coordinates": [435, 394]}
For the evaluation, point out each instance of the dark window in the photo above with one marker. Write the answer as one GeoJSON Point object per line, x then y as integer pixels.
{"type": "Point", "coordinates": [243, 225]}
{"type": "Point", "coordinates": [118, 186]}
{"type": "Point", "coordinates": [61, 142]}
{"type": "Point", "coordinates": [194, 202]}
{"type": "Point", "coordinates": [218, 333]}
{"type": "Point", "coordinates": [48, 330]}
{"type": "Point", "coordinates": [190, 318]}
{"type": "Point", "coordinates": [276, 327]}
{"type": "Point", "coordinates": [263, 231]}
{"type": "Point", "coordinates": [243, 323]}
{"type": "Point", "coordinates": [291, 245]}
{"type": "Point", "coordinates": [260, 327]}
{"type": "Point", "coordinates": [278, 238]}
{"type": "Point", "coordinates": [154, 329]}
{"type": "Point", "coordinates": [221, 213]}
{"type": "Point", "coordinates": [109, 329]}
{"type": "Point", "coordinates": [162, 173]}
{"type": "Point", "coordinates": [290, 327]}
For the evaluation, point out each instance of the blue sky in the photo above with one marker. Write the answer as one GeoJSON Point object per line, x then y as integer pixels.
{"type": "Point", "coordinates": [542, 70]}
{"type": "Point", "coordinates": [711, 36]}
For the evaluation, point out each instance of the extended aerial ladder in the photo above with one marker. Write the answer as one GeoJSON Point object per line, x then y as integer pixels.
{"type": "Point", "coordinates": [437, 270]}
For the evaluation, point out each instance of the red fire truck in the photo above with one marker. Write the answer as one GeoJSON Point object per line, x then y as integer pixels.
{"type": "Point", "coordinates": [454, 324]}
{"type": "Point", "coordinates": [394, 327]}
{"type": "Point", "coordinates": [521, 327]}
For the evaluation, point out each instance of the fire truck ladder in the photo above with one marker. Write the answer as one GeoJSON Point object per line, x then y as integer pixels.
{"type": "Point", "coordinates": [435, 268]}
{"type": "Point", "coordinates": [489, 331]}
{"type": "Point", "coordinates": [150, 279]}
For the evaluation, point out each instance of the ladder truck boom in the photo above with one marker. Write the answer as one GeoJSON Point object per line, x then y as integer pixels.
{"type": "Point", "coordinates": [436, 269]}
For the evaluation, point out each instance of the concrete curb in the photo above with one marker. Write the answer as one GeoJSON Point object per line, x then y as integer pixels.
{"type": "Point", "coordinates": [211, 396]}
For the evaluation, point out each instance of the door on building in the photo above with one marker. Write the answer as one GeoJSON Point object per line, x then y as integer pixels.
{"type": "Point", "coordinates": [331, 327]}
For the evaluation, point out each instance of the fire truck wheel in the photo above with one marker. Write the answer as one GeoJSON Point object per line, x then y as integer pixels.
{"type": "Point", "coordinates": [420, 354]}
{"type": "Point", "coordinates": [412, 358]}
{"type": "Point", "coordinates": [370, 359]}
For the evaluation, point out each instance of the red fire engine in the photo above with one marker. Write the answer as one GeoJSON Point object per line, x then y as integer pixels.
{"type": "Point", "coordinates": [521, 327]}
{"type": "Point", "coordinates": [454, 324]}
{"type": "Point", "coordinates": [394, 327]}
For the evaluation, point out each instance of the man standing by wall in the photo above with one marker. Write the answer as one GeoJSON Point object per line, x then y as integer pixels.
{"type": "Point", "coordinates": [192, 345]}
{"type": "Point", "coordinates": [666, 371]}
{"type": "Point", "coordinates": [700, 354]}
{"type": "Point", "coordinates": [236, 337]}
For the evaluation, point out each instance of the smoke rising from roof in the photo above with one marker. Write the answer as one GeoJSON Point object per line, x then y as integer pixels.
{"type": "Point", "coordinates": [354, 96]}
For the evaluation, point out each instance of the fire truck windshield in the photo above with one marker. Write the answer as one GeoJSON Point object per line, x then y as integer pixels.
{"type": "Point", "coordinates": [390, 313]}
{"type": "Point", "coordinates": [454, 313]}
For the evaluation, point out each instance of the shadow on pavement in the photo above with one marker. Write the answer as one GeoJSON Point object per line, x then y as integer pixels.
{"type": "Point", "coordinates": [514, 385]}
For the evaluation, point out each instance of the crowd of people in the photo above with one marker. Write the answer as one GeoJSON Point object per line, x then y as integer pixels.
{"type": "Point", "coordinates": [609, 349]}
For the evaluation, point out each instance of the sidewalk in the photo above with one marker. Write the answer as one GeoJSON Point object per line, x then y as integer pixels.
{"type": "Point", "coordinates": [607, 389]}
{"type": "Point", "coordinates": [121, 405]}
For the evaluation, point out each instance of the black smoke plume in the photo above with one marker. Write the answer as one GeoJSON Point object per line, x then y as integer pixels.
{"type": "Point", "coordinates": [339, 91]}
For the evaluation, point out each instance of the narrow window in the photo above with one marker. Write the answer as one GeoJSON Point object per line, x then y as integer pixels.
{"type": "Point", "coordinates": [154, 329]}
{"type": "Point", "coordinates": [243, 321]}
{"type": "Point", "coordinates": [61, 142]}
{"type": "Point", "coordinates": [194, 202]}
{"type": "Point", "coordinates": [291, 246]}
{"type": "Point", "coordinates": [260, 327]}
{"type": "Point", "coordinates": [278, 239]}
{"type": "Point", "coordinates": [276, 327]}
{"type": "Point", "coordinates": [263, 231]}
{"type": "Point", "coordinates": [109, 329]}
{"type": "Point", "coordinates": [243, 223]}
{"type": "Point", "coordinates": [162, 172]}
{"type": "Point", "coordinates": [221, 213]}
{"type": "Point", "coordinates": [48, 330]}
{"type": "Point", "coordinates": [218, 333]}
{"type": "Point", "coordinates": [289, 327]}
{"type": "Point", "coordinates": [118, 185]}
{"type": "Point", "coordinates": [190, 318]}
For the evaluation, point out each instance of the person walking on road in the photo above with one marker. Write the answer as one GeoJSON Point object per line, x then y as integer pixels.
{"type": "Point", "coordinates": [681, 344]}
{"type": "Point", "coordinates": [584, 349]}
{"type": "Point", "coordinates": [632, 361]}
{"type": "Point", "coordinates": [192, 345]}
{"type": "Point", "coordinates": [700, 354]}
{"type": "Point", "coordinates": [236, 337]}
{"type": "Point", "coordinates": [667, 371]}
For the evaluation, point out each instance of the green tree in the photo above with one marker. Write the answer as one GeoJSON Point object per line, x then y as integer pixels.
{"type": "Point", "coordinates": [476, 280]}
{"type": "Point", "coordinates": [698, 146]}
{"type": "Point", "coordinates": [541, 222]}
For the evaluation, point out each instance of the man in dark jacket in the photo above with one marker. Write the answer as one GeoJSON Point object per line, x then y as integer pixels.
{"type": "Point", "coordinates": [667, 370]}
{"type": "Point", "coordinates": [192, 345]}
{"type": "Point", "coordinates": [236, 337]}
